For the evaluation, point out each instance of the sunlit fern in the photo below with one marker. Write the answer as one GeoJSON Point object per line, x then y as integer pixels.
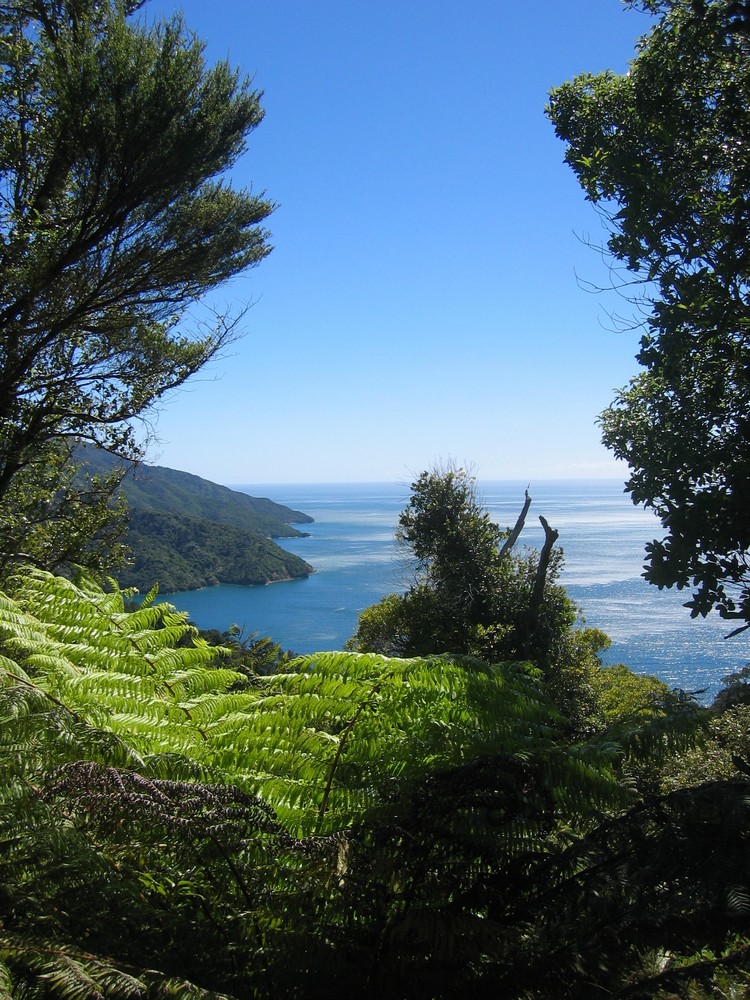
{"type": "Point", "coordinates": [377, 803]}
{"type": "Point", "coordinates": [322, 743]}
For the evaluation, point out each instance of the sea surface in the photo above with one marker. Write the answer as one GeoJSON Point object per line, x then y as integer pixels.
{"type": "Point", "coordinates": [352, 548]}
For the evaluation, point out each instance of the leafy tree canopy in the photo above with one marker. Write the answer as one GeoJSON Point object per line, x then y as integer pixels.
{"type": "Point", "coordinates": [474, 593]}
{"type": "Point", "coordinates": [115, 220]}
{"type": "Point", "coordinates": [662, 151]}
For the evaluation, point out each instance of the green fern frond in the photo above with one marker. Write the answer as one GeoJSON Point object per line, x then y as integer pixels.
{"type": "Point", "coordinates": [6, 982]}
{"type": "Point", "coordinates": [71, 974]}
{"type": "Point", "coordinates": [320, 741]}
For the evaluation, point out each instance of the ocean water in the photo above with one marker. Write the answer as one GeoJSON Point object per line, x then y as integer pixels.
{"type": "Point", "coordinates": [351, 546]}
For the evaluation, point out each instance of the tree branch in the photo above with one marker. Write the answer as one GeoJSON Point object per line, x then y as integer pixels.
{"type": "Point", "coordinates": [513, 536]}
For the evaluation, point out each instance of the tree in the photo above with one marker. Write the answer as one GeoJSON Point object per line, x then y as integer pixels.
{"type": "Point", "coordinates": [473, 593]}
{"type": "Point", "coordinates": [453, 549]}
{"type": "Point", "coordinates": [456, 546]}
{"type": "Point", "coordinates": [662, 151]}
{"type": "Point", "coordinates": [115, 220]}
{"type": "Point", "coordinates": [736, 690]}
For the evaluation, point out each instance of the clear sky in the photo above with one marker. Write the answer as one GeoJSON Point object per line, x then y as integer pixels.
{"type": "Point", "coordinates": [423, 300]}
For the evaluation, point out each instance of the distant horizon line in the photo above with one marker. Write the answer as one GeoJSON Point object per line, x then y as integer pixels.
{"type": "Point", "coordinates": [529, 480]}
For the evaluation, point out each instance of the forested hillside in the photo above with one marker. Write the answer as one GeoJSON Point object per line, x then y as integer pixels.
{"type": "Point", "coordinates": [182, 553]}
{"type": "Point", "coordinates": [184, 532]}
{"type": "Point", "coordinates": [154, 487]}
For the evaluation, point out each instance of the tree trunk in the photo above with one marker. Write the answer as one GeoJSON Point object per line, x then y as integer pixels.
{"type": "Point", "coordinates": [537, 595]}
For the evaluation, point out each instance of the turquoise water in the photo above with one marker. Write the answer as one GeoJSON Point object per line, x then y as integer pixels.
{"type": "Point", "coordinates": [351, 546]}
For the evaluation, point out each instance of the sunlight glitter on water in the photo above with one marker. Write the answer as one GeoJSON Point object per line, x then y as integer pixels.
{"type": "Point", "coordinates": [357, 561]}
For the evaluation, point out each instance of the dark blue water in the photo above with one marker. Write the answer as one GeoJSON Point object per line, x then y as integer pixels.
{"type": "Point", "coordinates": [351, 546]}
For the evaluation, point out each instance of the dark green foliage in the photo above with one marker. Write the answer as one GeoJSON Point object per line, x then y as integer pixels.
{"type": "Point", "coordinates": [736, 691]}
{"type": "Point", "coordinates": [52, 519]}
{"type": "Point", "coordinates": [114, 138]}
{"type": "Point", "coordinates": [647, 902]}
{"type": "Point", "coordinates": [184, 532]}
{"type": "Point", "coordinates": [466, 594]}
{"type": "Point", "coordinates": [662, 152]}
{"type": "Point", "coordinates": [183, 553]}
{"type": "Point", "coordinates": [219, 844]}
{"type": "Point", "coordinates": [456, 546]}
{"type": "Point", "coordinates": [614, 913]}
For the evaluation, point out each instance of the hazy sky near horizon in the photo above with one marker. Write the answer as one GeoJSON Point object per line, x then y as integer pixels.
{"type": "Point", "coordinates": [424, 299]}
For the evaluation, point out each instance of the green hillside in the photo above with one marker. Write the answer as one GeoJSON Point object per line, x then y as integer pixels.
{"type": "Point", "coordinates": [184, 553]}
{"type": "Point", "coordinates": [185, 532]}
{"type": "Point", "coordinates": [153, 487]}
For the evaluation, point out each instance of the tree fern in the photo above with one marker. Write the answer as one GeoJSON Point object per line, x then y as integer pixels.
{"type": "Point", "coordinates": [323, 742]}
{"type": "Point", "coordinates": [97, 844]}
{"type": "Point", "coordinates": [409, 827]}
{"type": "Point", "coordinates": [108, 870]}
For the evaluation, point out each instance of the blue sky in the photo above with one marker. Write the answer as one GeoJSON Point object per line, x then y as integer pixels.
{"type": "Point", "coordinates": [423, 300]}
